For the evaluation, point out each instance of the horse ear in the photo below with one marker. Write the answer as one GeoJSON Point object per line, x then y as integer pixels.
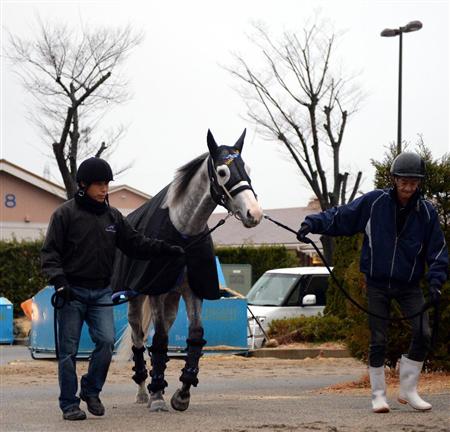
{"type": "Point", "coordinates": [240, 142]}
{"type": "Point", "coordinates": [212, 146]}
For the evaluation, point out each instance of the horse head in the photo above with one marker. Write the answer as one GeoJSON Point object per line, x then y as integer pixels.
{"type": "Point", "coordinates": [231, 186]}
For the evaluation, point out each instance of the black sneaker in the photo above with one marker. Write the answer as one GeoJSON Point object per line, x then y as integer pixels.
{"type": "Point", "coordinates": [74, 413]}
{"type": "Point", "coordinates": [94, 405]}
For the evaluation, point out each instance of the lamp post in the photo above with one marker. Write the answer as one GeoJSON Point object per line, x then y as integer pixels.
{"type": "Point", "coordinates": [410, 27]}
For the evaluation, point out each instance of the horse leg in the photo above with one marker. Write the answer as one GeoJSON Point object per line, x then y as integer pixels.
{"type": "Point", "coordinates": [165, 308]}
{"type": "Point", "coordinates": [135, 315]}
{"type": "Point", "coordinates": [195, 342]}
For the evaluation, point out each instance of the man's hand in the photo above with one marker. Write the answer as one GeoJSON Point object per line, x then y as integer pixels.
{"type": "Point", "coordinates": [435, 293]}
{"type": "Point", "coordinates": [65, 293]}
{"type": "Point", "coordinates": [303, 232]}
{"type": "Point", "coordinates": [172, 250]}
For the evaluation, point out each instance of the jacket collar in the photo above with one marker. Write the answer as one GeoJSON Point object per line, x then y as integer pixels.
{"type": "Point", "coordinates": [413, 201]}
{"type": "Point", "coordinates": [89, 204]}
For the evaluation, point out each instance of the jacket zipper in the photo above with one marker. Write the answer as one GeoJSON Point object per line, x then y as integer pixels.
{"type": "Point", "coordinates": [97, 218]}
{"type": "Point", "coordinates": [396, 240]}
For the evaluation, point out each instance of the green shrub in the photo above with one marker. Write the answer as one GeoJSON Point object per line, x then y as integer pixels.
{"type": "Point", "coordinates": [308, 329]}
{"type": "Point", "coordinates": [261, 258]}
{"type": "Point", "coordinates": [20, 271]}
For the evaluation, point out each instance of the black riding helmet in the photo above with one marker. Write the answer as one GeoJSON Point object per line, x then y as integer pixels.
{"type": "Point", "coordinates": [94, 169]}
{"type": "Point", "coordinates": [408, 164]}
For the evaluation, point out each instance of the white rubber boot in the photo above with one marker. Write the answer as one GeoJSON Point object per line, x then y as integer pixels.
{"type": "Point", "coordinates": [409, 376]}
{"type": "Point", "coordinates": [377, 383]}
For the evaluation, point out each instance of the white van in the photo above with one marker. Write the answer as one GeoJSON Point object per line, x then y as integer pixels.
{"type": "Point", "coordinates": [284, 293]}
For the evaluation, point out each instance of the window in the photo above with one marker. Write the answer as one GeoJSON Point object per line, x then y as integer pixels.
{"type": "Point", "coordinates": [294, 298]}
{"type": "Point", "coordinates": [271, 289]}
{"type": "Point", "coordinates": [317, 285]}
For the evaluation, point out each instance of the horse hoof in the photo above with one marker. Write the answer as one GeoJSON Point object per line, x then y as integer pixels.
{"type": "Point", "coordinates": [158, 406]}
{"type": "Point", "coordinates": [180, 401]}
{"type": "Point", "coordinates": [141, 398]}
{"type": "Point", "coordinates": [157, 402]}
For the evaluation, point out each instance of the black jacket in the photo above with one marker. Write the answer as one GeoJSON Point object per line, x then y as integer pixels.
{"type": "Point", "coordinates": [80, 245]}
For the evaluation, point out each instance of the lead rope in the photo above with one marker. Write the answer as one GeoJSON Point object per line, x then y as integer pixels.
{"type": "Point", "coordinates": [425, 307]}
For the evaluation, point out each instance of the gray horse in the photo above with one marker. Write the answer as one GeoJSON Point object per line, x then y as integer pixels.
{"type": "Point", "coordinates": [179, 215]}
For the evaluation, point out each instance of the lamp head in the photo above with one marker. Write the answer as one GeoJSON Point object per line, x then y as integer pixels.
{"type": "Point", "coordinates": [412, 26]}
{"type": "Point", "coordinates": [390, 32]}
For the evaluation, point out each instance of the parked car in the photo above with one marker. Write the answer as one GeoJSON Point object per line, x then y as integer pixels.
{"type": "Point", "coordinates": [284, 293]}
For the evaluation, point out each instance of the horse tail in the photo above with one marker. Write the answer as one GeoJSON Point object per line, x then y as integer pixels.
{"type": "Point", "coordinates": [137, 308]}
{"type": "Point", "coordinates": [146, 316]}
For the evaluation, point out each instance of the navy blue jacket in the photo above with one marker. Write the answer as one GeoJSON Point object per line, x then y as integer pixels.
{"type": "Point", "coordinates": [388, 258]}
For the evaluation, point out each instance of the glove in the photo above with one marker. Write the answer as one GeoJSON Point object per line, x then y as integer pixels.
{"type": "Point", "coordinates": [171, 250]}
{"type": "Point", "coordinates": [65, 293]}
{"type": "Point", "coordinates": [435, 293]}
{"type": "Point", "coordinates": [304, 230]}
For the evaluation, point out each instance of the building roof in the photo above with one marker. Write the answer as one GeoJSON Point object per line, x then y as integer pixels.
{"type": "Point", "coordinates": [32, 178]}
{"type": "Point", "coordinates": [54, 188]}
{"type": "Point", "coordinates": [117, 188]}
{"type": "Point", "coordinates": [233, 233]}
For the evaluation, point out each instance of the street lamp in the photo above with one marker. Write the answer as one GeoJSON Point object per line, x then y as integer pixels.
{"type": "Point", "coordinates": [410, 27]}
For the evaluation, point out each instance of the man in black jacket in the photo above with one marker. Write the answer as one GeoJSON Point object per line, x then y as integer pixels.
{"type": "Point", "coordinates": [78, 257]}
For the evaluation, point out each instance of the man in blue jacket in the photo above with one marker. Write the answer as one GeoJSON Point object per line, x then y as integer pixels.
{"type": "Point", "coordinates": [401, 235]}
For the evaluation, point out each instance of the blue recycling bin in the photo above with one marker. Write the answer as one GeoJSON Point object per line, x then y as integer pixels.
{"type": "Point", "coordinates": [6, 321]}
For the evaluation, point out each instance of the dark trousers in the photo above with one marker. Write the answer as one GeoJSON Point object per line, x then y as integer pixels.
{"type": "Point", "coordinates": [410, 300]}
{"type": "Point", "coordinates": [100, 322]}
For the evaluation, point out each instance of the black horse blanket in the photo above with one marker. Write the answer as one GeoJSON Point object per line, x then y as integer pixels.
{"type": "Point", "coordinates": [160, 274]}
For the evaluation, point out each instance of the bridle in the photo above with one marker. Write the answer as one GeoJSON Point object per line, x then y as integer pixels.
{"type": "Point", "coordinates": [239, 181]}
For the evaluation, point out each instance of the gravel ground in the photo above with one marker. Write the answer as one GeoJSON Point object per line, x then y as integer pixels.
{"type": "Point", "coordinates": [235, 394]}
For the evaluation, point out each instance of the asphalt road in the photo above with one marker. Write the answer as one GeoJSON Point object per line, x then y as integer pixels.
{"type": "Point", "coordinates": [261, 395]}
{"type": "Point", "coordinates": [10, 353]}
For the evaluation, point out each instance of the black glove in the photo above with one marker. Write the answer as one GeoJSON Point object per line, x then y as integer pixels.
{"type": "Point", "coordinates": [171, 250]}
{"type": "Point", "coordinates": [435, 293]}
{"type": "Point", "coordinates": [65, 293]}
{"type": "Point", "coordinates": [304, 230]}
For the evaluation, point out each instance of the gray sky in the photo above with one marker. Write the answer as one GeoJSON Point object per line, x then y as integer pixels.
{"type": "Point", "coordinates": [180, 90]}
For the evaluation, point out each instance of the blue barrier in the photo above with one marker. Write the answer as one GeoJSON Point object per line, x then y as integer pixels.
{"type": "Point", "coordinates": [6, 321]}
{"type": "Point", "coordinates": [224, 321]}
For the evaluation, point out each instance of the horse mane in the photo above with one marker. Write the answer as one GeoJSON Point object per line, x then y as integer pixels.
{"type": "Point", "coordinates": [183, 176]}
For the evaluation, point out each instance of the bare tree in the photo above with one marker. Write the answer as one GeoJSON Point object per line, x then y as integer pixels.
{"type": "Point", "coordinates": [296, 99]}
{"type": "Point", "coordinates": [69, 73]}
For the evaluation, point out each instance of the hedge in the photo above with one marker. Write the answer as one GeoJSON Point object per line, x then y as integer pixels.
{"type": "Point", "coordinates": [261, 258]}
{"type": "Point", "coordinates": [308, 329]}
{"type": "Point", "coordinates": [20, 271]}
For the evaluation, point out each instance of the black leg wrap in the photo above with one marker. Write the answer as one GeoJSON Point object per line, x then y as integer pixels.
{"type": "Point", "coordinates": [139, 368]}
{"type": "Point", "coordinates": [194, 352]}
{"type": "Point", "coordinates": [159, 359]}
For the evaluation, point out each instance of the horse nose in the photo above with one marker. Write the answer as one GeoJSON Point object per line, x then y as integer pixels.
{"type": "Point", "coordinates": [255, 216]}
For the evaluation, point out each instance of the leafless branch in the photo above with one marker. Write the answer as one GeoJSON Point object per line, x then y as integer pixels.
{"type": "Point", "coordinates": [72, 76]}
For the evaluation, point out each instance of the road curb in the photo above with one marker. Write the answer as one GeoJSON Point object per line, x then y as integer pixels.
{"type": "Point", "coordinates": [292, 353]}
